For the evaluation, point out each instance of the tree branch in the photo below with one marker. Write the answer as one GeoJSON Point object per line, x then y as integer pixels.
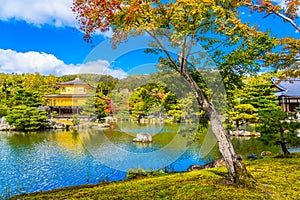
{"type": "Point", "coordinates": [190, 46]}
{"type": "Point", "coordinates": [182, 56]}
{"type": "Point", "coordinates": [164, 49]}
{"type": "Point", "coordinates": [292, 22]}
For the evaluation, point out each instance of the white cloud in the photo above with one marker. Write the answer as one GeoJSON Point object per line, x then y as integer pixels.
{"type": "Point", "coordinates": [56, 13]}
{"type": "Point", "coordinates": [30, 62]}
{"type": "Point", "coordinates": [38, 12]}
{"type": "Point", "coordinates": [101, 67]}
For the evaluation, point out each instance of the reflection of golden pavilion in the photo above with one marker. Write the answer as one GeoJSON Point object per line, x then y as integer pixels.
{"type": "Point", "coordinates": [71, 99]}
{"type": "Point", "coordinates": [69, 142]}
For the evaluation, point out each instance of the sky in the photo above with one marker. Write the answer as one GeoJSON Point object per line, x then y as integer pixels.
{"type": "Point", "coordinates": [43, 36]}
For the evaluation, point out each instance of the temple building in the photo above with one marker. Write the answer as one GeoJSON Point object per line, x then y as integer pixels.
{"type": "Point", "coordinates": [288, 92]}
{"type": "Point", "coordinates": [71, 99]}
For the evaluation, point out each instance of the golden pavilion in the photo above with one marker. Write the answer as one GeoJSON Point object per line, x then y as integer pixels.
{"type": "Point", "coordinates": [71, 99]}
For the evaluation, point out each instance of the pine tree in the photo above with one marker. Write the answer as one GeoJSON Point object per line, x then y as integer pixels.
{"type": "Point", "coordinates": [23, 113]}
{"type": "Point", "coordinates": [276, 128]}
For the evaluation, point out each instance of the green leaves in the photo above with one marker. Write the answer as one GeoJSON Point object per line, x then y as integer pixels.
{"type": "Point", "coordinates": [26, 118]}
{"type": "Point", "coordinates": [23, 113]}
{"type": "Point", "coordinates": [254, 97]}
{"type": "Point", "coordinates": [26, 97]}
{"type": "Point", "coordinates": [145, 97]}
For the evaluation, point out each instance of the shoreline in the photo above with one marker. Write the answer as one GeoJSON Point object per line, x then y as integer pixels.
{"type": "Point", "coordinates": [268, 172]}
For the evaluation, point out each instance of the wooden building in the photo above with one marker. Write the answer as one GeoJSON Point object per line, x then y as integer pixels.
{"type": "Point", "coordinates": [288, 92]}
{"type": "Point", "coordinates": [71, 99]}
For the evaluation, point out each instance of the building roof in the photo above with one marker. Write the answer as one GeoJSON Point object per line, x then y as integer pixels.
{"type": "Point", "coordinates": [287, 87]}
{"type": "Point", "coordinates": [77, 81]}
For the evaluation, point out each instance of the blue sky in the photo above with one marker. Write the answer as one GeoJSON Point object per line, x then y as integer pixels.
{"type": "Point", "coordinates": [42, 36]}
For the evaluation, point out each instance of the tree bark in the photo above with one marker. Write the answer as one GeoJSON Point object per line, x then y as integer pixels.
{"type": "Point", "coordinates": [237, 124]}
{"type": "Point", "coordinates": [283, 143]}
{"type": "Point", "coordinates": [237, 172]}
{"type": "Point", "coordinates": [284, 148]}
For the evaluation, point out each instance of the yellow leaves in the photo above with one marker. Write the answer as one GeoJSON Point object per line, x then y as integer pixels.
{"type": "Point", "coordinates": [245, 108]}
{"type": "Point", "coordinates": [293, 6]}
{"type": "Point", "coordinates": [292, 43]}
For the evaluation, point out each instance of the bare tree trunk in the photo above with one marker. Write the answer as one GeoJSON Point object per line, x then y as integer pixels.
{"type": "Point", "coordinates": [237, 172]}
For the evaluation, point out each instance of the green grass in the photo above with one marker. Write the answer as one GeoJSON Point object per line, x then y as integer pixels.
{"type": "Point", "coordinates": [278, 178]}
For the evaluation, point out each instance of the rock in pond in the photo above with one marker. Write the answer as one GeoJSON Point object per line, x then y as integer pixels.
{"type": "Point", "coordinates": [143, 137]}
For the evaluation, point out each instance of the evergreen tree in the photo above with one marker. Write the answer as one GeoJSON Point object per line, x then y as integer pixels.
{"type": "Point", "coordinates": [26, 97]}
{"type": "Point", "coordinates": [23, 113]}
{"type": "Point", "coordinates": [243, 114]}
{"type": "Point", "coordinates": [258, 92]}
{"type": "Point", "coordinates": [26, 118]}
{"type": "Point", "coordinates": [95, 106]}
{"type": "Point", "coordinates": [255, 97]}
{"type": "Point", "coordinates": [276, 128]}
{"type": "Point", "coordinates": [146, 97]}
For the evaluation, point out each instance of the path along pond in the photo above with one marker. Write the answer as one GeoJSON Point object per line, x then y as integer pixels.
{"type": "Point", "coordinates": [47, 160]}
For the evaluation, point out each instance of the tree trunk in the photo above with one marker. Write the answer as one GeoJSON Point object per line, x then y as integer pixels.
{"type": "Point", "coordinates": [237, 172]}
{"type": "Point", "coordinates": [283, 143]}
{"type": "Point", "coordinates": [284, 148]}
{"type": "Point", "coordinates": [237, 124]}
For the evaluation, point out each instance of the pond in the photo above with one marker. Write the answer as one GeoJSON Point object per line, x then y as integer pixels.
{"type": "Point", "coordinates": [47, 160]}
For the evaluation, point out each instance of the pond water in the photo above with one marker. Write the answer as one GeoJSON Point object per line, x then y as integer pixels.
{"type": "Point", "coordinates": [47, 160]}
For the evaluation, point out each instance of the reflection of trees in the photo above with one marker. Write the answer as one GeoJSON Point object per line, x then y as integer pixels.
{"type": "Point", "coordinates": [162, 133]}
{"type": "Point", "coordinates": [19, 140]}
{"type": "Point", "coordinates": [206, 142]}
{"type": "Point", "coordinates": [253, 145]}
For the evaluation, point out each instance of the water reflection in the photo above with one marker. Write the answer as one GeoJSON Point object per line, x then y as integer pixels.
{"type": "Point", "coordinates": [246, 146]}
{"type": "Point", "coordinates": [52, 159]}
{"type": "Point", "coordinates": [115, 148]}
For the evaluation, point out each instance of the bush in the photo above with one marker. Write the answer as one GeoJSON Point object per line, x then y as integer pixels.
{"type": "Point", "coordinates": [136, 173]}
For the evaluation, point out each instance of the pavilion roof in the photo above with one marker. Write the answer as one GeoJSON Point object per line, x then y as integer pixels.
{"type": "Point", "coordinates": [287, 87]}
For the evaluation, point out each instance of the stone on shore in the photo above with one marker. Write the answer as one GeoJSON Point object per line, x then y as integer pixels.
{"type": "Point", "coordinates": [213, 164]}
{"type": "Point", "coordinates": [244, 133]}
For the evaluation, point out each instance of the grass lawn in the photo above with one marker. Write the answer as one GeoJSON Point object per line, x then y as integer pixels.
{"type": "Point", "coordinates": [278, 178]}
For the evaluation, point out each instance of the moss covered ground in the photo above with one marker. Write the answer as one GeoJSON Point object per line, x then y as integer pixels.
{"type": "Point", "coordinates": [278, 178]}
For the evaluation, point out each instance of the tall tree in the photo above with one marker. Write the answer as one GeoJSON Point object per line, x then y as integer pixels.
{"type": "Point", "coordinates": [26, 97]}
{"type": "Point", "coordinates": [184, 24]}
